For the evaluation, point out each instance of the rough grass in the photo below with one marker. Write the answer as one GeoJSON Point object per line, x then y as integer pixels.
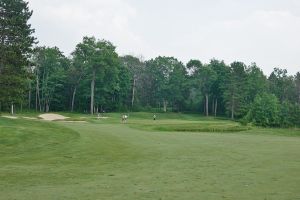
{"type": "Point", "coordinates": [104, 159]}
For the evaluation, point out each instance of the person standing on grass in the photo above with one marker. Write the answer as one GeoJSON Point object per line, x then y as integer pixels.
{"type": "Point", "coordinates": [124, 118]}
{"type": "Point", "coordinates": [154, 117]}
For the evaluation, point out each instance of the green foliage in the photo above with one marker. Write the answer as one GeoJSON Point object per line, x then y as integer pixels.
{"type": "Point", "coordinates": [50, 71]}
{"type": "Point", "coordinates": [166, 81]}
{"type": "Point", "coordinates": [289, 114]}
{"type": "Point", "coordinates": [265, 110]}
{"type": "Point", "coordinates": [15, 45]}
{"type": "Point", "coordinates": [282, 85]}
{"type": "Point", "coordinates": [235, 90]}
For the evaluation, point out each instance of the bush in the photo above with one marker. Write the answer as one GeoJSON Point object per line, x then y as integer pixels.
{"type": "Point", "coordinates": [265, 111]}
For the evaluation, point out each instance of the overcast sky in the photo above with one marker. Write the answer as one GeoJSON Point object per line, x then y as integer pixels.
{"type": "Point", "coordinates": [263, 31]}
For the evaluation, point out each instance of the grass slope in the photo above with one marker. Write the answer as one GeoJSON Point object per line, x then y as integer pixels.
{"type": "Point", "coordinates": [103, 159]}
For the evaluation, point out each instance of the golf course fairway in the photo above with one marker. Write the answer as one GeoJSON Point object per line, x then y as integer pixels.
{"type": "Point", "coordinates": [107, 159]}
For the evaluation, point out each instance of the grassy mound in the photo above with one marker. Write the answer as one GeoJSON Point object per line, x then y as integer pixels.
{"type": "Point", "coordinates": [21, 136]}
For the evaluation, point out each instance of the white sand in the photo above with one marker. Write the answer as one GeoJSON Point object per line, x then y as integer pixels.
{"type": "Point", "coordinates": [10, 117]}
{"type": "Point", "coordinates": [52, 117]}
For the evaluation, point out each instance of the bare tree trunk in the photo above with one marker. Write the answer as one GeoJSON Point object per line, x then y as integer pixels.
{"type": "Point", "coordinates": [44, 84]}
{"type": "Point", "coordinates": [47, 106]}
{"type": "Point", "coordinates": [92, 91]}
{"type": "Point", "coordinates": [213, 106]}
{"type": "Point", "coordinates": [165, 105]}
{"type": "Point", "coordinates": [36, 99]}
{"type": "Point", "coordinates": [206, 104]}
{"type": "Point", "coordinates": [37, 95]}
{"type": "Point", "coordinates": [73, 99]}
{"type": "Point", "coordinates": [133, 91]}
{"type": "Point", "coordinates": [216, 107]}
{"type": "Point", "coordinates": [232, 107]}
{"type": "Point", "coordinates": [29, 95]}
{"type": "Point", "coordinates": [12, 109]}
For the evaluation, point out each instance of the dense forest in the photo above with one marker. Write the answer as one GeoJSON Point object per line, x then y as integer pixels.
{"type": "Point", "coordinates": [94, 78]}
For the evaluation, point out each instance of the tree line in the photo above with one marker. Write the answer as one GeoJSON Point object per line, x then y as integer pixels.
{"type": "Point", "coordinates": [94, 78]}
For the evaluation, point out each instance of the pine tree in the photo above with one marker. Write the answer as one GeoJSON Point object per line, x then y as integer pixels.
{"type": "Point", "coordinates": [16, 41]}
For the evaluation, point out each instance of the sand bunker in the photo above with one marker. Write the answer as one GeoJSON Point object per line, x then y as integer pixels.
{"type": "Point", "coordinates": [52, 117]}
{"type": "Point", "coordinates": [10, 117]}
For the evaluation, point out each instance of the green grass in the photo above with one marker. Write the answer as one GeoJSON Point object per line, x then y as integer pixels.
{"type": "Point", "coordinates": [104, 159]}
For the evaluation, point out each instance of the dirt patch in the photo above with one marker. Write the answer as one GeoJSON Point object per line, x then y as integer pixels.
{"type": "Point", "coordinates": [52, 117]}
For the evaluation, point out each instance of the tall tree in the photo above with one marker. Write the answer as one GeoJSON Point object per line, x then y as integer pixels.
{"type": "Point", "coordinates": [51, 71]}
{"type": "Point", "coordinates": [97, 56]}
{"type": "Point", "coordinates": [204, 77]}
{"type": "Point", "coordinates": [16, 41]}
{"type": "Point", "coordinates": [218, 88]}
{"type": "Point", "coordinates": [178, 86]}
{"type": "Point", "coordinates": [235, 92]}
{"type": "Point", "coordinates": [282, 85]}
{"type": "Point", "coordinates": [160, 70]}
{"type": "Point", "coordinates": [135, 68]}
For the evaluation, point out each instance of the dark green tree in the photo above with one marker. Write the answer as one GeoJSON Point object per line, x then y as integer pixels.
{"type": "Point", "coordinates": [235, 89]}
{"type": "Point", "coordinates": [204, 77]}
{"type": "Point", "coordinates": [218, 88]}
{"type": "Point", "coordinates": [135, 68]}
{"type": "Point", "coordinates": [51, 78]}
{"type": "Point", "coordinates": [16, 41]}
{"type": "Point", "coordinates": [282, 85]}
{"type": "Point", "coordinates": [100, 59]}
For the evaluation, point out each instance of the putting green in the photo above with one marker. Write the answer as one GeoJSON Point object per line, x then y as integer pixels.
{"type": "Point", "coordinates": [104, 159]}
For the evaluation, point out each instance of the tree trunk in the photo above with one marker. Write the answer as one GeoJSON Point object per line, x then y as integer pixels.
{"type": "Point", "coordinates": [29, 95]}
{"type": "Point", "coordinates": [12, 109]}
{"type": "Point", "coordinates": [232, 107]}
{"type": "Point", "coordinates": [47, 106]}
{"type": "Point", "coordinates": [44, 84]}
{"type": "Point", "coordinates": [133, 92]}
{"type": "Point", "coordinates": [165, 105]}
{"type": "Point", "coordinates": [37, 95]}
{"type": "Point", "coordinates": [213, 106]}
{"type": "Point", "coordinates": [206, 104]}
{"type": "Point", "coordinates": [73, 99]}
{"type": "Point", "coordinates": [216, 106]}
{"type": "Point", "coordinates": [92, 91]}
{"type": "Point", "coordinates": [36, 99]}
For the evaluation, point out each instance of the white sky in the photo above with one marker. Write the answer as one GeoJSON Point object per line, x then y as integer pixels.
{"type": "Point", "coordinates": [263, 31]}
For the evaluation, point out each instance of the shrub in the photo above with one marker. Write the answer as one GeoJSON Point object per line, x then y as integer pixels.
{"type": "Point", "coordinates": [265, 111]}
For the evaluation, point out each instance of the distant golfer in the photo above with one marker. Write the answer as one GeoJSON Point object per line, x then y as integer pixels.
{"type": "Point", "coordinates": [154, 117]}
{"type": "Point", "coordinates": [124, 118]}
